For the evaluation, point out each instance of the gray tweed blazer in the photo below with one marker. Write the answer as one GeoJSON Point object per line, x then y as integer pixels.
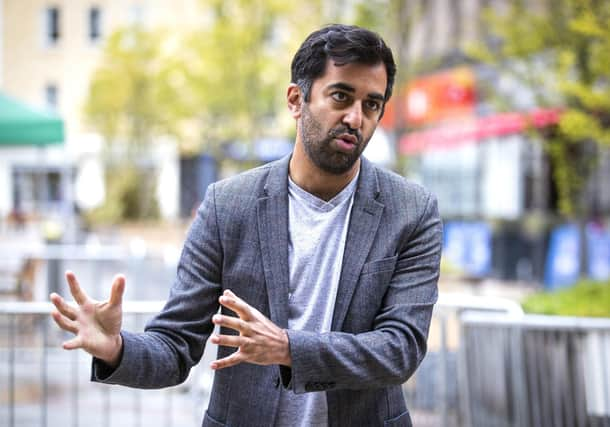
{"type": "Point", "coordinates": [239, 240]}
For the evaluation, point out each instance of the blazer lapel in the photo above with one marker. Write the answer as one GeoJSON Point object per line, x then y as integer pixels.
{"type": "Point", "coordinates": [272, 217]}
{"type": "Point", "coordinates": [363, 225]}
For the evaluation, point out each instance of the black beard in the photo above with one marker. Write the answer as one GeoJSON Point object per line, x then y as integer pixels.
{"type": "Point", "coordinates": [320, 151]}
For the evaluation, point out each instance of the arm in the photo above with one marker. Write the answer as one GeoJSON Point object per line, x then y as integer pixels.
{"type": "Point", "coordinates": [390, 353]}
{"type": "Point", "coordinates": [175, 338]}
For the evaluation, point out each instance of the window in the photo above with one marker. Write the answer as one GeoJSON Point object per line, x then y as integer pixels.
{"type": "Point", "coordinates": [50, 96]}
{"type": "Point", "coordinates": [136, 15]}
{"type": "Point", "coordinates": [95, 24]}
{"type": "Point", "coordinates": [39, 189]}
{"type": "Point", "coordinates": [51, 24]}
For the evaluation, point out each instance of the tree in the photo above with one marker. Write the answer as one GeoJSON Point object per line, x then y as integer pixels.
{"type": "Point", "coordinates": [128, 105]}
{"type": "Point", "coordinates": [130, 93]}
{"type": "Point", "coordinates": [222, 82]}
{"type": "Point", "coordinates": [560, 50]}
{"type": "Point", "coordinates": [236, 69]}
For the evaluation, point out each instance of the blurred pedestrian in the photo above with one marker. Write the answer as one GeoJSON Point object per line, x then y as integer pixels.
{"type": "Point", "coordinates": [324, 266]}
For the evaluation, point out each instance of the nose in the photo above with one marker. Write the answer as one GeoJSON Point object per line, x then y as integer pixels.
{"type": "Point", "coordinates": [353, 116]}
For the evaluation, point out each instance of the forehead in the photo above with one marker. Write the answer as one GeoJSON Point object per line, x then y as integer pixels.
{"type": "Point", "coordinates": [364, 78]}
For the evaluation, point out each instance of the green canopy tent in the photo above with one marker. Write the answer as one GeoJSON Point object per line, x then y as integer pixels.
{"type": "Point", "coordinates": [21, 124]}
{"type": "Point", "coordinates": [34, 180]}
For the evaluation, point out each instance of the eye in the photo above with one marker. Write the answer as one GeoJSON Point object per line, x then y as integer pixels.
{"type": "Point", "coordinates": [372, 105]}
{"type": "Point", "coordinates": [339, 96]}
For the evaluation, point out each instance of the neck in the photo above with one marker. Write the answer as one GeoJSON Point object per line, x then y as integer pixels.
{"type": "Point", "coordinates": [314, 180]}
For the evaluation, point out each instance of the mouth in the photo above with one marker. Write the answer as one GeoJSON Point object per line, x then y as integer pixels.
{"type": "Point", "coordinates": [348, 138]}
{"type": "Point", "coordinates": [346, 143]}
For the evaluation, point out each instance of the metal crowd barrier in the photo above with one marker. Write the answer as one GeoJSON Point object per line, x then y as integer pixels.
{"type": "Point", "coordinates": [434, 392]}
{"type": "Point", "coordinates": [538, 371]}
{"type": "Point", "coordinates": [44, 385]}
{"type": "Point", "coordinates": [48, 386]}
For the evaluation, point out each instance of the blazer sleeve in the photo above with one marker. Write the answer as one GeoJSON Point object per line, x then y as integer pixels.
{"type": "Point", "coordinates": [390, 353]}
{"type": "Point", "coordinates": [174, 340]}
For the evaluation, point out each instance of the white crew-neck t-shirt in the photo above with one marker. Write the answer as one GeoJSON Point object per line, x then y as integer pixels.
{"type": "Point", "coordinates": [317, 232]}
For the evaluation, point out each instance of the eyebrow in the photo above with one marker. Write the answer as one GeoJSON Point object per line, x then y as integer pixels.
{"type": "Point", "coordinates": [351, 89]}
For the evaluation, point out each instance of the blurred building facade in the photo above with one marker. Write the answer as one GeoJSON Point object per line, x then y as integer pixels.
{"type": "Point", "coordinates": [486, 162]}
{"type": "Point", "coordinates": [48, 52]}
{"type": "Point", "coordinates": [481, 162]}
{"type": "Point", "coordinates": [50, 49]}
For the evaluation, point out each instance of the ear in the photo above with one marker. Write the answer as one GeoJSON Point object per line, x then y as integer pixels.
{"type": "Point", "coordinates": [294, 99]}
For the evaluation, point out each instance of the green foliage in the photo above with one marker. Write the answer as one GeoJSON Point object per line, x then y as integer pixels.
{"type": "Point", "coordinates": [129, 91]}
{"type": "Point", "coordinates": [224, 81]}
{"type": "Point", "coordinates": [587, 299]}
{"type": "Point", "coordinates": [129, 102]}
{"type": "Point", "coordinates": [235, 70]}
{"type": "Point", "coordinates": [561, 51]}
{"type": "Point", "coordinates": [130, 196]}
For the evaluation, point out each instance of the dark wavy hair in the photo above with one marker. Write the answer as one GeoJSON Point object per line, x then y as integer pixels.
{"type": "Point", "coordinates": [343, 44]}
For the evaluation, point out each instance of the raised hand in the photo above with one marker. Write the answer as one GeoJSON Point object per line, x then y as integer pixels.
{"type": "Point", "coordinates": [260, 341]}
{"type": "Point", "coordinates": [96, 325]}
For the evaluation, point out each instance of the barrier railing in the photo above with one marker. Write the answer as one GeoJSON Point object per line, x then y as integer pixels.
{"type": "Point", "coordinates": [44, 385]}
{"type": "Point", "coordinates": [48, 386]}
{"type": "Point", "coordinates": [538, 371]}
{"type": "Point", "coordinates": [434, 393]}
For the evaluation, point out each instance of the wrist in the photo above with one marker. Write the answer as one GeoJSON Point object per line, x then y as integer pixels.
{"type": "Point", "coordinates": [114, 357]}
{"type": "Point", "coordinates": [287, 358]}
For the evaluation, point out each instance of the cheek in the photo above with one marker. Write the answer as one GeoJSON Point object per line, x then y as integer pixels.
{"type": "Point", "coordinates": [368, 130]}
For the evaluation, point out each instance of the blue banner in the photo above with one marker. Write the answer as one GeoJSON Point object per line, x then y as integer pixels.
{"type": "Point", "coordinates": [598, 248]}
{"type": "Point", "coordinates": [563, 257]}
{"type": "Point", "coordinates": [467, 246]}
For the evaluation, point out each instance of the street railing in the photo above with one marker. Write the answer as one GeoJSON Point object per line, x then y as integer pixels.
{"type": "Point", "coordinates": [487, 363]}
{"type": "Point", "coordinates": [538, 371]}
{"type": "Point", "coordinates": [44, 385]}
{"type": "Point", "coordinates": [434, 392]}
{"type": "Point", "coordinates": [31, 272]}
{"type": "Point", "coordinates": [48, 386]}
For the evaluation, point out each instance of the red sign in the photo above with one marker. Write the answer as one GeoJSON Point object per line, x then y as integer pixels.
{"type": "Point", "coordinates": [434, 98]}
{"type": "Point", "coordinates": [478, 128]}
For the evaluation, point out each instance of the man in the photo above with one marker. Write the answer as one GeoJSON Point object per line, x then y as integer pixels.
{"type": "Point", "coordinates": [324, 266]}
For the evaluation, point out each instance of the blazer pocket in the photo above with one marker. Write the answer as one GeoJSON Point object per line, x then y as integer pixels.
{"type": "Point", "coordinates": [379, 266]}
{"type": "Point", "coordinates": [403, 420]}
{"type": "Point", "coordinates": [210, 422]}
{"type": "Point", "coordinates": [367, 299]}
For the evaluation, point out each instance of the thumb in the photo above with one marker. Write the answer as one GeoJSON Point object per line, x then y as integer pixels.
{"type": "Point", "coordinates": [117, 290]}
{"type": "Point", "coordinates": [73, 343]}
{"type": "Point", "coordinates": [229, 293]}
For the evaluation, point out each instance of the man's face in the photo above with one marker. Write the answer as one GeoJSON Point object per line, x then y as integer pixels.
{"type": "Point", "coordinates": [342, 114]}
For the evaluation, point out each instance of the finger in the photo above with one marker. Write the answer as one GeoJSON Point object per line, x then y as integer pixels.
{"type": "Point", "coordinates": [230, 322]}
{"type": "Point", "coordinates": [77, 292]}
{"type": "Point", "coordinates": [232, 360]}
{"type": "Point", "coordinates": [64, 323]}
{"type": "Point", "coordinates": [227, 340]}
{"type": "Point", "coordinates": [231, 301]}
{"type": "Point", "coordinates": [63, 307]}
{"type": "Point", "coordinates": [117, 290]}
{"type": "Point", "coordinates": [73, 344]}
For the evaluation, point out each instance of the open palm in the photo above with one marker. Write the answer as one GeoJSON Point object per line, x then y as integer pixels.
{"type": "Point", "coordinates": [96, 325]}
